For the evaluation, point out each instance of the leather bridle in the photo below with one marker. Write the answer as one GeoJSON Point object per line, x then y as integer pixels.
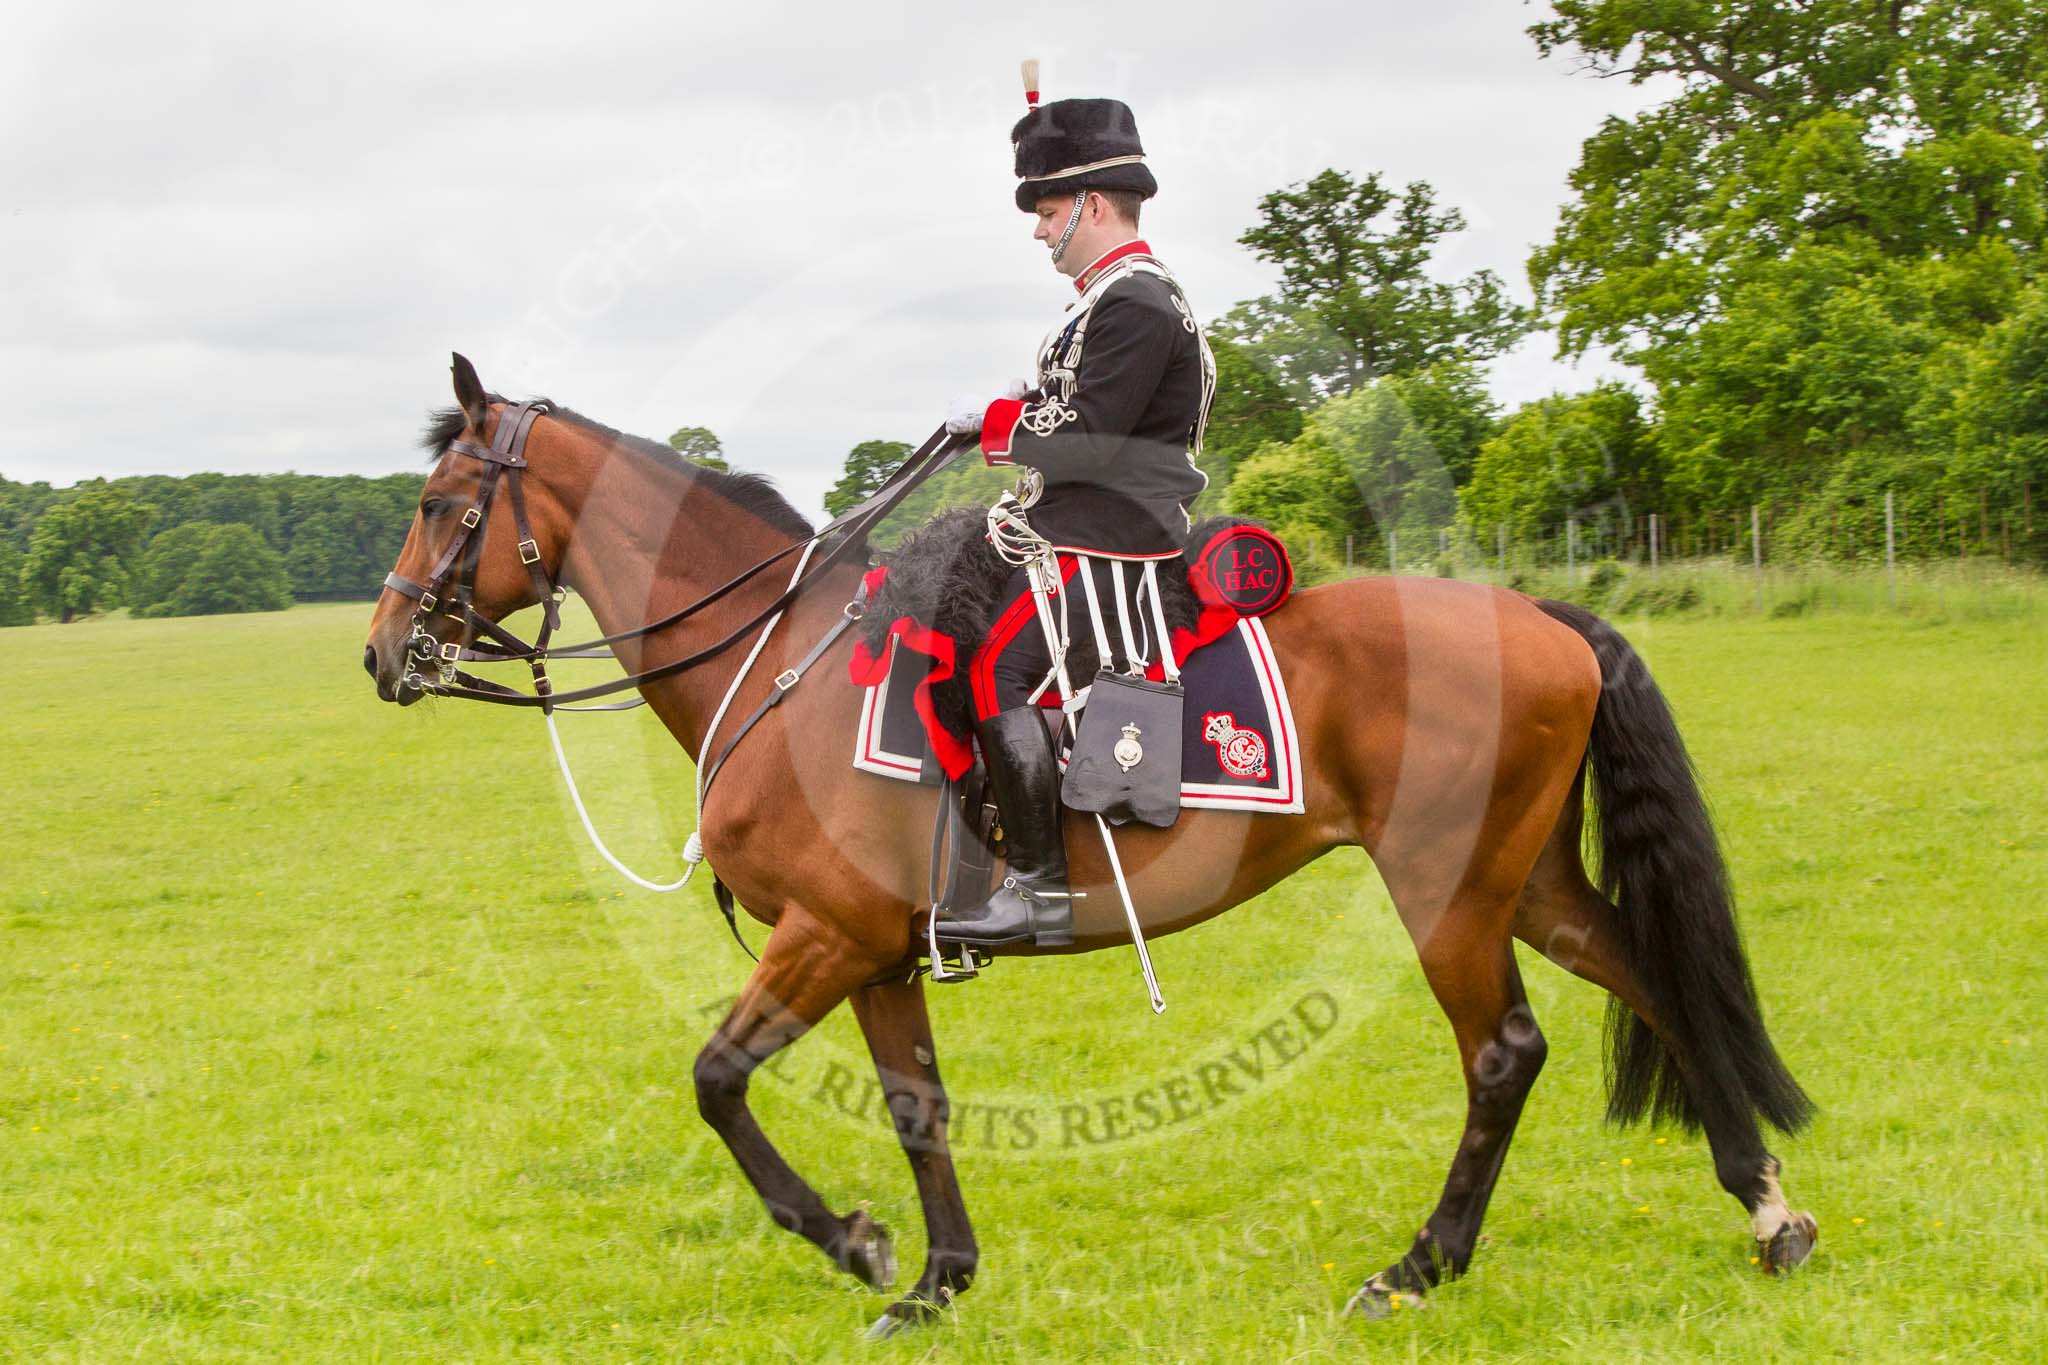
{"type": "Point", "coordinates": [450, 589]}
{"type": "Point", "coordinates": [503, 460]}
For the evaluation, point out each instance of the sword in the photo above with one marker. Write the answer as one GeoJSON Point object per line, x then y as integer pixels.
{"type": "Point", "coordinates": [1043, 572]}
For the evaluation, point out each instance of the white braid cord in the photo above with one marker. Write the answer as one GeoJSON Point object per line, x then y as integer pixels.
{"type": "Point", "coordinates": [693, 848]}
{"type": "Point", "coordinates": [1011, 535]}
{"type": "Point", "coordinates": [1016, 543]}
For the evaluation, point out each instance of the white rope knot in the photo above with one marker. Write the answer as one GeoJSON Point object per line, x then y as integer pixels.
{"type": "Point", "coordinates": [1012, 536]}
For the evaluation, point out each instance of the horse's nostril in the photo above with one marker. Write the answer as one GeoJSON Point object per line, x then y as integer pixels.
{"type": "Point", "coordinates": [370, 660]}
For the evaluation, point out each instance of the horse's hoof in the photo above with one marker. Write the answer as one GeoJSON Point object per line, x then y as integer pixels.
{"type": "Point", "coordinates": [1378, 1298]}
{"type": "Point", "coordinates": [912, 1310]}
{"type": "Point", "coordinates": [1790, 1245]}
{"type": "Point", "coordinates": [870, 1254]}
{"type": "Point", "coordinates": [889, 1325]}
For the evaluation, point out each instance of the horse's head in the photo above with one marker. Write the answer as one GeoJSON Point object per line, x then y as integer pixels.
{"type": "Point", "coordinates": [479, 549]}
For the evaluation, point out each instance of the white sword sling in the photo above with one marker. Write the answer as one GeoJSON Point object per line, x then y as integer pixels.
{"type": "Point", "coordinates": [1014, 539]}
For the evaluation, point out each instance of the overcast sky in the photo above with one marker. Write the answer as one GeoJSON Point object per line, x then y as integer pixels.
{"type": "Point", "coordinates": [245, 238]}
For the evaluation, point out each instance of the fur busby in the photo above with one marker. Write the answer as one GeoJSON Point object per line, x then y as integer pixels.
{"type": "Point", "coordinates": [1061, 147]}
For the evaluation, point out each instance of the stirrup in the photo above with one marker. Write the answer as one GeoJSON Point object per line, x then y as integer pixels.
{"type": "Point", "coordinates": [966, 962]}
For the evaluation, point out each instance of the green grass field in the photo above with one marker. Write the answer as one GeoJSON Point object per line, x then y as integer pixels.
{"type": "Point", "coordinates": [300, 1059]}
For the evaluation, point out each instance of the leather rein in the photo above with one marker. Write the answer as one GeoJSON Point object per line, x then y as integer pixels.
{"type": "Point", "coordinates": [451, 587]}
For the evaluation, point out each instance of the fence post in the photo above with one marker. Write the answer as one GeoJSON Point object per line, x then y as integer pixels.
{"type": "Point", "coordinates": [1756, 556]}
{"type": "Point", "coordinates": [1653, 545]}
{"type": "Point", "coordinates": [1501, 544]}
{"type": "Point", "coordinates": [1571, 549]}
{"type": "Point", "coordinates": [1891, 563]}
{"type": "Point", "coordinates": [1348, 539]}
{"type": "Point", "coordinates": [1393, 559]}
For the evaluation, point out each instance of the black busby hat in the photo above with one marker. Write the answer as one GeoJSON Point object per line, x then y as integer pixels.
{"type": "Point", "coordinates": [1072, 145]}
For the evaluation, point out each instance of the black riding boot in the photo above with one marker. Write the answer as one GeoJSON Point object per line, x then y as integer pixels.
{"type": "Point", "coordinates": [1031, 904]}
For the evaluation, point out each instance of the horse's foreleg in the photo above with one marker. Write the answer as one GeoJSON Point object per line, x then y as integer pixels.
{"type": "Point", "coordinates": [806, 969]}
{"type": "Point", "coordinates": [892, 1016]}
{"type": "Point", "coordinates": [1476, 981]}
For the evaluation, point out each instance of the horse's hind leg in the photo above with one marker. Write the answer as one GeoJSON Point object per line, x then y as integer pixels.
{"type": "Point", "coordinates": [899, 1033]}
{"type": "Point", "coordinates": [806, 969]}
{"type": "Point", "coordinates": [1563, 917]}
{"type": "Point", "coordinates": [1469, 961]}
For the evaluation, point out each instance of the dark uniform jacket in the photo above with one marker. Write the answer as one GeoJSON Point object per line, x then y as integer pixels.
{"type": "Point", "coordinates": [1125, 380]}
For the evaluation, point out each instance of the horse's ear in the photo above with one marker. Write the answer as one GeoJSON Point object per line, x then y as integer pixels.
{"type": "Point", "coordinates": [469, 392]}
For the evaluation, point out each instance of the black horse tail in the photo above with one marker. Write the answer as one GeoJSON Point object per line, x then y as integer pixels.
{"type": "Point", "coordinates": [1661, 865]}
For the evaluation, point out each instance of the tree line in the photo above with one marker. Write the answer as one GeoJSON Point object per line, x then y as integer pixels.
{"type": "Point", "coordinates": [203, 544]}
{"type": "Point", "coordinates": [200, 544]}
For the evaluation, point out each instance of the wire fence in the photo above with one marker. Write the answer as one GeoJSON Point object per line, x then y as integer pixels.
{"type": "Point", "coordinates": [1931, 558]}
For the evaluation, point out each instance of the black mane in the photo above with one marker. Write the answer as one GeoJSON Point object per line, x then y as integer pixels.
{"type": "Point", "coordinates": [755, 493]}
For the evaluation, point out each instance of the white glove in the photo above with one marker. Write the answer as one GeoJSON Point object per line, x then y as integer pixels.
{"type": "Point", "coordinates": [1018, 388]}
{"type": "Point", "coordinates": [965, 417]}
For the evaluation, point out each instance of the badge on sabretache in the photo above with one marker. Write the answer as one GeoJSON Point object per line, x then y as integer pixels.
{"type": "Point", "coordinates": [1128, 753]}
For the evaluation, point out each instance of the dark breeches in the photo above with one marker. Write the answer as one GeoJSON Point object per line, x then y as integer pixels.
{"type": "Point", "coordinates": [1014, 660]}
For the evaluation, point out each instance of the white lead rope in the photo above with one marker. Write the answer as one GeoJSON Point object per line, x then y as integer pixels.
{"type": "Point", "coordinates": [693, 847]}
{"type": "Point", "coordinates": [576, 797]}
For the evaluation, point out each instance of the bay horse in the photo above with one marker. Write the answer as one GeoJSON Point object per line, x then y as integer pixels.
{"type": "Point", "coordinates": [1455, 731]}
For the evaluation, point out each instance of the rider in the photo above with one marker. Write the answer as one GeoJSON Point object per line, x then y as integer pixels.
{"type": "Point", "coordinates": [1123, 386]}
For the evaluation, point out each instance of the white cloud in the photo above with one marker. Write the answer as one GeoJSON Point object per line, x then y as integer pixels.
{"type": "Point", "coordinates": [246, 237]}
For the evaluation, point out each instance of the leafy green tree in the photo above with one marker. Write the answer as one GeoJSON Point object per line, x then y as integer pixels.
{"type": "Point", "coordinates": [867, 466]}
{"type": "Point", "coordinates": [211, 570]}
{"type": "Point", "coordinates": [1806, 244]}
{"type": "Point", "coordinates": [238, 499]}
{"type": "Point", "coordinates": [1996, 425]}
{"type": "Point", "coordinates": [1304, 492]}
{"type": "Point", "coordinates": [1356, 300]}
{"type": "Point", "coordinates": [1388, 460]}
{"type": "Point", "coordinates": [348, 536]}
{"type": "Point", "coordinates": [698, 443]}
{"type": "Point", "coordinates": [1588, 455]}
{"type": "Point", "coordinates": [166, 566]}
{"type": "Point", "coordinates": [1901, 127]}
{"type": "Point", "coordinates": [1252, 408]}
{"type": "Point", "coordinates": [1843, 518]}
{"type": "Point", "coordinates": [967, 482]}
{"type": "Point", "coordinates": [325, 558]}
{"type": "Point", "coordinates": [1449, 403]}
{"type": "Point", "coordinates": [82, 551]}
{"type": "Point", "coordinates": [20, 505]}
{"type": "Point", "coordinates": [14, 607]}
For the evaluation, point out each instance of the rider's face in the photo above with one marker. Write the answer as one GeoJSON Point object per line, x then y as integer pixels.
{"type": "Point", "coordinates": [1092, 236]}
{"type": "Point", "coordinates": [1052, 218]}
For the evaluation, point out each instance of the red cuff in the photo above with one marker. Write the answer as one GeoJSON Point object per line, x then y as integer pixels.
{"type": "Point", "coordinates": [996, 426]}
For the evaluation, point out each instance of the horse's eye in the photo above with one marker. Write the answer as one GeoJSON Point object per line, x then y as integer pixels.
{"type": "Point", "coordinates": [434, 508]}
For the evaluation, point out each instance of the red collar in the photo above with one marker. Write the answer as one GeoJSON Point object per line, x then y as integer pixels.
{"type": "Point", "coordinates": [1135, 247]}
